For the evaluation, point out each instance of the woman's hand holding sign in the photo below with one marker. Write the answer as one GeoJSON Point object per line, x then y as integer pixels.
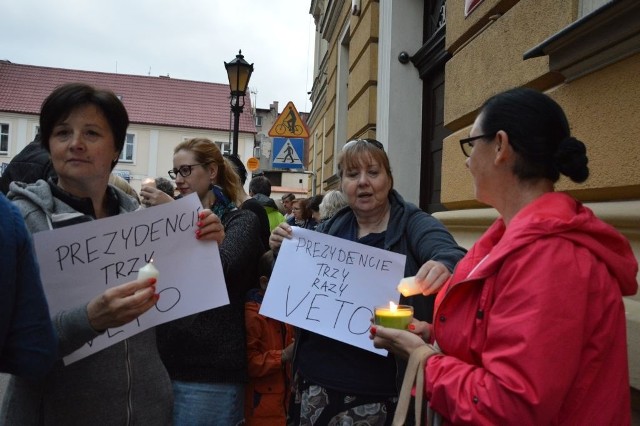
{"type": "Point", "coordinates": [209, 227]}
{"type": "Point", "coordinates": [278, 235]}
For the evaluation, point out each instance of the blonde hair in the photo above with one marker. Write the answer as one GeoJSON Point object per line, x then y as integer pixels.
{"type": "Point", "coordinates": [205, 151]}
{"type": "Point", "coordinates": [124, 186]}
{"type": "Point", "coordinates": [331, 203]}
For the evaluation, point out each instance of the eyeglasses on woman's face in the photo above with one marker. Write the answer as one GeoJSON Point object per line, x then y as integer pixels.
{"type": "Point", "coordinates": [185, 170]}
{"type": "Point", "coordinates": [373, 142]}
{"type": "Point", "coordinates": [467, 143]}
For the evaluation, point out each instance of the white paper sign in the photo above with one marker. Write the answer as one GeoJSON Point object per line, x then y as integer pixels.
{"type": "Point", "coordinates": [330, 286]}
{"type": "Point", "coordinates": [81, 261]}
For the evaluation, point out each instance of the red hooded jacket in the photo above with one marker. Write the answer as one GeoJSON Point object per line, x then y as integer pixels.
{"type": "Point", "coordinates": [532, 323]}
{"type": "Point", "coordinates": [268, 390]}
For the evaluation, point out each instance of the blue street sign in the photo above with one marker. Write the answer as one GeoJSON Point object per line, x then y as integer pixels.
{"type": "Point", "coordinates": [288, 153]}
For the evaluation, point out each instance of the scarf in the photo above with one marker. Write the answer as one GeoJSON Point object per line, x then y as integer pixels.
{"type": "Point", "coordinates": [222, 205]}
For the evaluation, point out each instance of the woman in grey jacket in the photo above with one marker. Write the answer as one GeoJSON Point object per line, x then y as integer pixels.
{"type": "Point", "coordinates": [84, 129]}
{"type": "Point", "coordinates": [337, 383]}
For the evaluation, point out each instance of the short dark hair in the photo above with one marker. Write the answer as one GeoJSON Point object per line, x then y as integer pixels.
{"type": "Point", "coordinates": [313, 203]}
{"type": "Point", "coordinates": [241, 170]}
{"type": "Point", "coordinates": [165, 185]}
{"type": "Point", "coordinates": [66, 98]}
{"type": "Point", "coordinates": [260, 185]}
{"type": "Point", "coordinates": [539, 133]}
{"type": "Point", "coordinates": [266, 264]}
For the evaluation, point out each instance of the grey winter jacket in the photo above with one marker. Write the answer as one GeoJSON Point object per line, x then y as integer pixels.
{"type": "Point", "coordinates": [124, 384]}
{"type": "Point", "coordinates": [413, 232]}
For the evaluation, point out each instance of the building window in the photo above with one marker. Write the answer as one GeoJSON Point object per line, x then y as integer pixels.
{"type": "Point", "coordinates": [274, 177]}
{"type": "Point", "coordinates": [588, 6]}
{"type": "Point", "coordinates": [342, 89]}
{"type": "Point", "coordinates": [225, 147]}
{"type": "Point", "coordinates": [126, 156]}
{"type": "Point", "coordinates": [4, 138]}
{"type": "Point", "coordinates": [258, 121]}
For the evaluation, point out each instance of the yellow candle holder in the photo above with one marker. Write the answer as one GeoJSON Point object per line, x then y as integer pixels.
{"type": "Point", "coordinates": [393, 316]}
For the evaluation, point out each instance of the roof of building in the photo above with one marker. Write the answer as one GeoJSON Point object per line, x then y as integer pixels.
{"type": "Point", "coordinates": [161, 101]}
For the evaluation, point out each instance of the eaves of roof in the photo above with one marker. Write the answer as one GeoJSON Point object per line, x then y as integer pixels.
{"type": "Point", "coordinates": [160, 101]}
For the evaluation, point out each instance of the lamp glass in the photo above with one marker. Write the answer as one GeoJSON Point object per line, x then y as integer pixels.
{"type": "Point", "coordinates": [239, 72]}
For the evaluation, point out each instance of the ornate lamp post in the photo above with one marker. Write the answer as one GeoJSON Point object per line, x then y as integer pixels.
{"type": "Point", "coordinates": [239, 72]}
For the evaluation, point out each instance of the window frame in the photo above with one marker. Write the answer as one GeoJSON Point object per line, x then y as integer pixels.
{"type": "Point", "coordinates": [224, 147]}
{"type": "Point", "coordinates": [133, 143]}
{"type": "Point", "coordinates": [6, 136]}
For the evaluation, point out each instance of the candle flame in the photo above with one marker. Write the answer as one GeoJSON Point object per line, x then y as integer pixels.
{"type": "Point", "coordinates": [393, 307]}
{"type": "Point", "coordinates": [151, 260]}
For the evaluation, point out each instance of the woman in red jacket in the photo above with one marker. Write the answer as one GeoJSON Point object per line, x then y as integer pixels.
{"type": "Point", "coordinates": [531, 325]}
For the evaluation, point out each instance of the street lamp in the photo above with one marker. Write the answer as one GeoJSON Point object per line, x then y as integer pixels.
{"type": "Point", "coordinates": [239, 72]}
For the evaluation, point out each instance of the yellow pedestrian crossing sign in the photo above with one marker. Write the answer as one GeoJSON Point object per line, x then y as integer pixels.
{"type": "Point", "coordinates": [289, 124]}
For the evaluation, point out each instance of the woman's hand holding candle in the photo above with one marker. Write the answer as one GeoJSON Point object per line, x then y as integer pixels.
{"type": "Point", "coordinates": [430, 277]}
{"type": "Point", "coordinates": [408, 286]}
{"type": "Point", "coordinates": [122, 304]}
{"type": "Point", "coordinates": [148, 271]}
{"type": "Point", "coordinates": [398, 342]}
{"type": "Point", "coordinates": [421, 329]}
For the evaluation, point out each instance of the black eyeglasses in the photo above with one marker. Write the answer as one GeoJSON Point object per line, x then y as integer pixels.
{"type": "Point", "coordinates": [467, 143]}
{"type": "Point", "coordinates": [373, 142]}
{"type": "Point", "coordinates": [185, 170]}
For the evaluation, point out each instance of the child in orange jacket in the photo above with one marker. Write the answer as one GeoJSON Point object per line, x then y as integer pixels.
{"type": "Point", "coordinates": [269, 352]}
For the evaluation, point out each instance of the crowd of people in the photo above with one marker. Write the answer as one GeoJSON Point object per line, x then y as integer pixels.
{"type": "Point", "coordinates": [528, 326]}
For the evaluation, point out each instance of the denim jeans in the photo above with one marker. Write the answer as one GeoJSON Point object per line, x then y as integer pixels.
{"type": "Point", "coordinates": [208, 404]}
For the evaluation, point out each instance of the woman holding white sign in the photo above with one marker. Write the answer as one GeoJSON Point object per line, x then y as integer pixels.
{"type": "Point", "coordinates": [206, 353]}
{"type": "Point", "coordinates": [84, 130]}
{"type": "Point", "coordinates": [342, 383]}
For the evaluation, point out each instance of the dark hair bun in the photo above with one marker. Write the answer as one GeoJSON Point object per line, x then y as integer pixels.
{"type": "Point", "coordinates": [571, 159]}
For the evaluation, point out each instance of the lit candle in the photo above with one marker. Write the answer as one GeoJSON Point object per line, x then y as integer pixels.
{"type": "Point", "coordinates": [393, 316]}
{"type": "Point", "coordinates": [409, 287]}
{"type": "Point", "coordinates": [148, 271]}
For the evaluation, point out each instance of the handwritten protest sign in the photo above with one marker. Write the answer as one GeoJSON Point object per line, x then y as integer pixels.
{"type": "Point", "coordinates": [330, 286]}
{"type": "Point", "coordinates": [79, 262]}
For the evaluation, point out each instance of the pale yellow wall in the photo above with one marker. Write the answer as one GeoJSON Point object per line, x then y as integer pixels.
{"type": "Point", "coordinates": [602, 109]}
{"type": "Point", "coordinates": [363, 71]}
{"type": "Point", "coordinates": [492, 61]}
{"type": "Point", "coordinates": [361, 97]}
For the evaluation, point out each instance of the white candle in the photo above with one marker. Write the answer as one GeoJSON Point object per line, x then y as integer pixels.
{"type": "Point", "coordinates": [148, 271]}
{"type": "Point", "coordinates": [409, 287]}
{"type": "Point", "coordinates": [149, 182]}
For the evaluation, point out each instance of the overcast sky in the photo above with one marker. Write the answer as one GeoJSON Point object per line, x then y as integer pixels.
{"type": "Point", "coordinates": [185, 39]}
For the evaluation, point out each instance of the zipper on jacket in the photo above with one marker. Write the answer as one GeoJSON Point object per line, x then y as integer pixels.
{"type": "Point", "coordinates": [128, 370]}
{"type": "Point", "coordinates": [286, 368]}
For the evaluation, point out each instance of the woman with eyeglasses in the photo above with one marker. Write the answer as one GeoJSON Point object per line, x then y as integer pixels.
{"type": "Point", "coordinates": [301, 216]}
{"type": "Point", "coordinates": [83, 129]}
{"type": "Point", "coordinates": [205, 353]}
{"type": "Point", "coordinates": [532, 324]}
{"type": "Point", "coordinates": [339, 383]}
